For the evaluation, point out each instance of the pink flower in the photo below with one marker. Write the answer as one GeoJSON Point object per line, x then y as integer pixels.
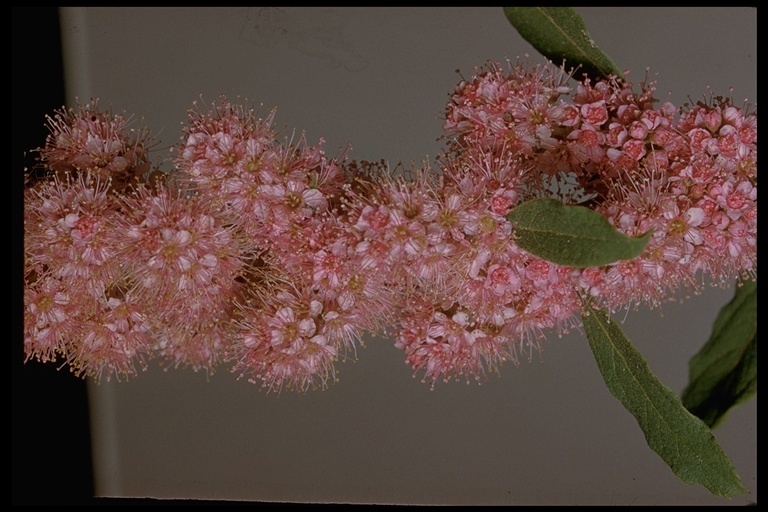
{"type": "Point", "coordinates": [183, 259]}
{"type": "Point", "coordinates": [70, 229]}
{"type": "Point", "coordinates": [445, 347]}
{"type": "Point", "coordinates": [50, 319]}
{"type": "Point", "coordinates": [113, 341]}
{"type": "Point", "coordinates": [272, 257]}
{"type": "Point", "coordinates": [594, 113]}
{"type": "Point", "coordinates": [279, 344]}
{"type": "Point", "coordinates": [98, 142]}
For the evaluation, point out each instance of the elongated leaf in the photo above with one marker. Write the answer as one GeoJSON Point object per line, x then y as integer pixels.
{"type": "Point", "coordinates": [560, 33]}
{"type": "Point", "coordinates": [574, 236]}
{"type": "Point", "coordinates": [724, 372]}
{"type": "Point", "coordinates": [681, 439]}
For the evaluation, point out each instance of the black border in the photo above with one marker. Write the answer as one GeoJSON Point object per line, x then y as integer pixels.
{"type": "Point", "coordinates": [52, 462]}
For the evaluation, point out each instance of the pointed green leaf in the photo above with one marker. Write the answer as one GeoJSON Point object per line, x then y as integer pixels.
{"type": "Point", "coordinates": [724, 372]}
{"type": "Point", "coordinates": [560, 33]}
{"type": "Point", "coordinates": [681, 439]}
{"type": "Point", "coordinates": [573, 236]}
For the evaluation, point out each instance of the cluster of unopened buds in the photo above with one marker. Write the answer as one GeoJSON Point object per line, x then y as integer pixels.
{"type": "Point", "coordinates": [275, 260]}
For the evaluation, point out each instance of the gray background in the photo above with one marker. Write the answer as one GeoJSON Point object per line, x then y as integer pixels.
{"type": "Point", "coordinates": [545, 432]}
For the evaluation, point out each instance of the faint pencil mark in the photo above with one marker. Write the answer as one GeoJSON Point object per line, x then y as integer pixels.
{"type": "Point", "coordinates": [313, 31]}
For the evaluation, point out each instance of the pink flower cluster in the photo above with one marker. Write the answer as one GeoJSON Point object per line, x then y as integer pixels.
{"type": "Point", "coordinates": [239, 255]}
{"type": "Point", "coordinates": [688, 175]}
{"type": "Point", "coordinates": [274, 259]}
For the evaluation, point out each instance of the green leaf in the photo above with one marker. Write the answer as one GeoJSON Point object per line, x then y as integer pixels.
{"type": "Point", "coordinates": [681, 439]}
{"type": "Point", "coordinates": [573, 236]}
{"type": "Point", "coordinates": [560, 33]}
{"type": "Point", "coordinates": [724, 372]}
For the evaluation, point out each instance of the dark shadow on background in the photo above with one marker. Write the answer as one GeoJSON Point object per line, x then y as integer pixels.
{"type": "Point", "coordinates": [51, 431]}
